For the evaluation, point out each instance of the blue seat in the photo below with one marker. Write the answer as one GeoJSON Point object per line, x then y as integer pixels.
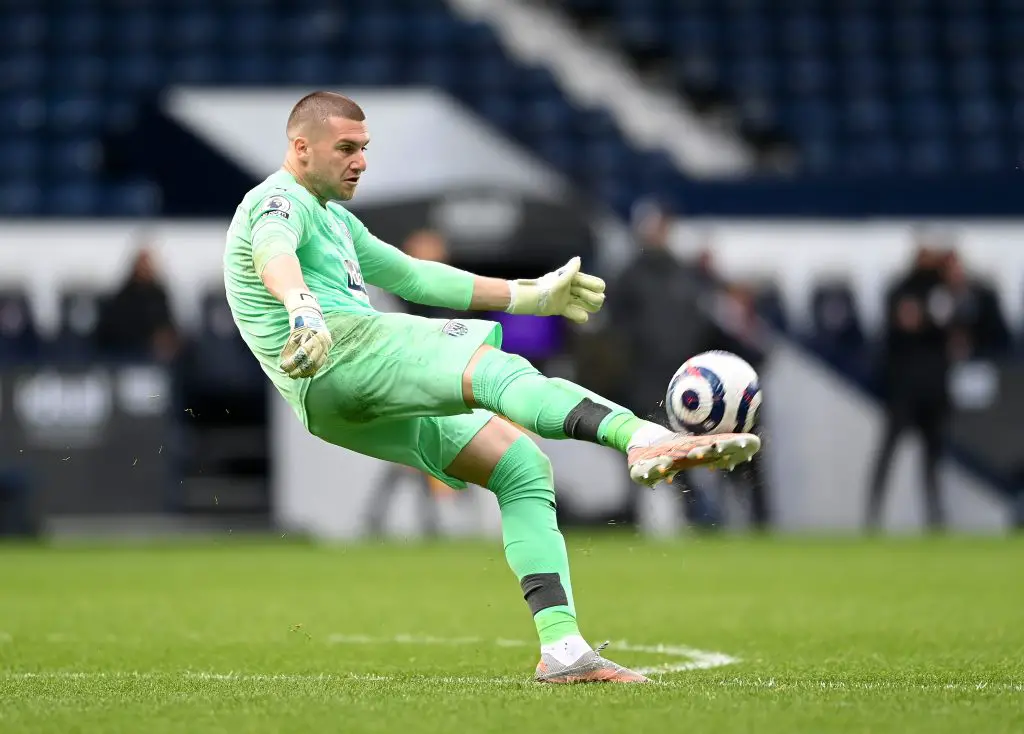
{"type": "Point", "coordinates": [978, 116]}
{"type": "Point", "coordinates": [21, 156]}
{"type": "Point", "coordinates": [858, 34]}
{"type": "Point", "coordinates": [835, 321]}
{"type": "Point", "coordinates": [929, 155]}
{"type": "Point", "coordinates": [311, 69]}
{"type": "Point", "coordinates": [22, 113]}
{"type": "Point", "coordinates": [912, 36]}
{"type": "Point", "coordinates": [972, 76]}
{"type": "Point", "coordinates": [253, 68]}
{"type": "Point", "coordinates": [438, 71]}
{"type": "Point", "coordinates": [808, 76]}
{"type": "Point", "coordinates": [22, 70]}
{"type": "Point", "coordinates": [80, 114]}
{"type": "Point", "coordinates": [138, 73]}
{"type": "Point", "coordinates": [695, 33]}
{"type": "Point", "coordinates": [24, 29]}
{"type": "Point", "coordinates": [871, 157]}
{"type": "Point", "coordinates": [248, 30]}
{"type": "Point", "coordinates": [966, 35]}
{"type": "Point", "coordinates": [923, 117]}
{"type": "Point", "coordinates": [137, 31]}
{"type": "Point", "coordinates": [818, 154]}
{"type": "Point", "coordinates": [19, 337]}
{"type": "Point", "coordinates": [79, 31]}
{"type": "Point", "coordinates": [865, 75]}
{"type": "Point", "coordinates": [547, 116]}
{"type": "Point", "coordinates": [811, 118]}
{"type": "Point", "coordinates": [917, 76]}
{"type": "Point", "coordinates": [804, 32]}
{"type": "Point", "coordinates": [129, 199]}
{"type": "Point", "coordinates": [196, 29]}
{"type": "Point", "coordinates": [868, 115]}
{"type": "Point", "coordinates": [499, 109]}
{"type": "Point", "coordinates": [431, 30]}
{"type": "Point", "coordinates": [22, 197]}
{"type": "Point", "coordinates": [78, 313]}
{"type": "Point", "coordinates": [986, 155]}
{"type": "Point", "coordinates": [81, 74]}
{"type": "Point", "coordinates": [771, 305]}
{"type": "Point", "coordinates": [754, 75]}
{"type": "Point", "coordinates": [72, 157]}
{"type": "Point", "coordinates": [196, 69]}
{"type": "Point", "coordinates": [79, 198]}
{"type": "Point", "coordinates": [227, 364]}
{"type": "Point", "coordinates": [375, 69]}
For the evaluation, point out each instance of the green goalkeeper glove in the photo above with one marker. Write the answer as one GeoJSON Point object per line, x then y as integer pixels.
{"type": "Point", "coordinates": [309, 341]}
{"type": "Point", "coordinates": [566, 292]}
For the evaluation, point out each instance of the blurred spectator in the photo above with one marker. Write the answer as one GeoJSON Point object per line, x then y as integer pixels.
{"type": "Point", "coordinates": [136, 321]}
{"type": "Point", "coordinates": [737, 328]}
{"type": "Point", "coordinates": [979, 326]}
{"type": "Point", "coordinates": [915, 367]}
{"type": "Point", "coordinates": [425, 244]}
{"type": "Point", "coordinates": [428, 244]}
{"type": "Point", "coordinates": [654, 305]}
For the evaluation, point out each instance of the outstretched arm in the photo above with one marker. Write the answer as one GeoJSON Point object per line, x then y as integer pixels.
{"type": "Point", "coordinates": [426, 282]}
{"type": "Point", "coordinates": [566, 292]}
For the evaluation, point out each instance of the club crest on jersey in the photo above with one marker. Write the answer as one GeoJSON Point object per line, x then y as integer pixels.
{"type": "Point", "coordinates": [355, 276]}
{"type": "Point", "coordinates": [455, 328]}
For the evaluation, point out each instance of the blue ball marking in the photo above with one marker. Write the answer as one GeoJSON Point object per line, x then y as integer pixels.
{"type": "Point", "coordinates": [743, 409]}
{"type": "Point", "coordinates": [717, 412]}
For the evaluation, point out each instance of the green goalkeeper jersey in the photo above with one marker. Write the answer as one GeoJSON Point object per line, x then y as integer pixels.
{"type": "Point", "coordinates": [282, 216]}
{"type": "Point", "coordinates": [335, 252]}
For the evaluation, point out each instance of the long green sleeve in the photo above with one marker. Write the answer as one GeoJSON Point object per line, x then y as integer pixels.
{"type": "Point", "coordinates": [420, 281]}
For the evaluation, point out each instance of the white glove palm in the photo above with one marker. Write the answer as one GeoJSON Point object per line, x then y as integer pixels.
{"type": "Point", "coordinates": [566, 292]}
{"type": "Point", "coordinates": [309, 341]}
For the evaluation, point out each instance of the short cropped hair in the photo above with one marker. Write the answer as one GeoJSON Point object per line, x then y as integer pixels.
{"type": "Point", "coordinates": [318, 107]}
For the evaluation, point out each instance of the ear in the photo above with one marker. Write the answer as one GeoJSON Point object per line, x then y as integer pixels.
{"type": "Point", "coordinates": [300, 146]}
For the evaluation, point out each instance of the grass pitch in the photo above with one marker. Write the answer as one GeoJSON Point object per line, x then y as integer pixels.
{"type": "Point", "coordinates": [772, 636]}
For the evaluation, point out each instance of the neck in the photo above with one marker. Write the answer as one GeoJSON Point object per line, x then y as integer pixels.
{"type": "Point", "coordinates": [290, 168]}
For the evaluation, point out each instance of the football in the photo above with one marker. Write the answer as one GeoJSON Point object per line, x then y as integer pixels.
{"type": "Point", "coordinates": [714, 392]}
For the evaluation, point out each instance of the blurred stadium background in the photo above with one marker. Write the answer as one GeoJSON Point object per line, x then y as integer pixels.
{"type": "Point", "coordinates": [830, 188]}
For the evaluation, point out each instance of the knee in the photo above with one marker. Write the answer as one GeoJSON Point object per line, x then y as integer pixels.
{"type": "Point", "coordinates": [524, 472]}
{"type": "Point", "coordinates": [488, 376]}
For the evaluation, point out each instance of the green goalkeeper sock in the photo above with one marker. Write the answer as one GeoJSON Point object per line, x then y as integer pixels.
{"type": "Point", "coordinates": [509, 385]}
{"type": "Point", "coordinates": [534, 546]}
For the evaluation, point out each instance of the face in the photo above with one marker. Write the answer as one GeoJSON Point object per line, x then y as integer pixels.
{"type": "Point", "coordinates": [334, 157]}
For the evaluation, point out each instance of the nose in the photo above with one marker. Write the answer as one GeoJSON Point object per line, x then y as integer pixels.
{"type": "Point", "coordinates": [359, 164]}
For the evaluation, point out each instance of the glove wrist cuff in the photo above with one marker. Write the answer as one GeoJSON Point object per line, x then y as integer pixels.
{"type": "Point", "coordinates": [300, 298]}
{"type": "Point", "coordinates": [513, 291]}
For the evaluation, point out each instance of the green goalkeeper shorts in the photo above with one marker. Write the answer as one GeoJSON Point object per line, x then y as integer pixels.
{"type": "Point", "coordinates": [393, 388]}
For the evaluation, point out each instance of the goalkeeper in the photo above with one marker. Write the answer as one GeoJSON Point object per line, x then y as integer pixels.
{"type": "Point", "coordinates": [426, 392]}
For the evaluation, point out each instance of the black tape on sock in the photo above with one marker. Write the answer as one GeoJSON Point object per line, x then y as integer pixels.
{"type": "Point", "coordinates": [583, 420]}
{"type": "Point", "coordinates": [542, 591]}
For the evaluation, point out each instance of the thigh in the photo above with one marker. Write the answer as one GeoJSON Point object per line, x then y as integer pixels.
{"type": "Point", "coordinates": [399, 366]}
{"type": "Point", "coordinates": [429, 444]}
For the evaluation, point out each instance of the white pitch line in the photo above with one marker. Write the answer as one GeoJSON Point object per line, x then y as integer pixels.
{"type": "Point", "coordinates": [694, 659]}
{"type": "Point", "coordinates": [232, 677]}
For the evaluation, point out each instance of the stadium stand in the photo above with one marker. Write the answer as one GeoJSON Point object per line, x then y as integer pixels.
{"type": "Point", "coordinates": [853, 88]}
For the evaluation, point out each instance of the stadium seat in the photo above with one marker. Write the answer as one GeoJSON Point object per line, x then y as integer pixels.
{"type": "Point", "coordinates": [836, 331]}
{"type": "Point", "coordinates": [19, 339]}
{"type": "Point", "coordinates": [226, 364]}
{"type": "Point", "coordinates": [922, 87]}
{"type": "Point", "coordinates": [76, 333]}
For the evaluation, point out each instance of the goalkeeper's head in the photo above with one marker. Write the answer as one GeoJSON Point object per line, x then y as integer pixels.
{"type": "Point", "coordinates": [327, 139]}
